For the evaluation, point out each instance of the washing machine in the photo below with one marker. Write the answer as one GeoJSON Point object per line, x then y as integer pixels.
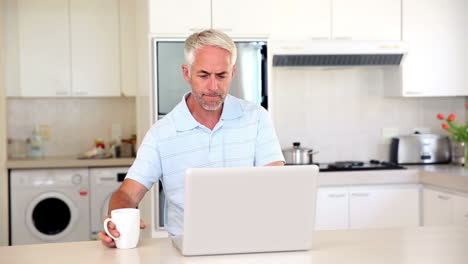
{"type": "Point", "coordinates": [49, 205]}
{"type": "Point", "coordinates": [103, 183]}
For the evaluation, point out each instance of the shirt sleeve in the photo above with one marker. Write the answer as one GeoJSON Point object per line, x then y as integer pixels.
{"type": "Point", "coordinates": [267, 148]}
{"type": "Point", "coordinates": [146, 169]}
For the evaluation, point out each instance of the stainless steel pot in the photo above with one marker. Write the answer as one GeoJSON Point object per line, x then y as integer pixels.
{"type": "Point", "coordinates": [298, 156]}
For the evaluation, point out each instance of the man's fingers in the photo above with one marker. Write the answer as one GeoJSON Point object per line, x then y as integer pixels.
{"type": "Point", "coordinates": [106, 240]}
{"type": "Point", "coordinates": [142, 224]}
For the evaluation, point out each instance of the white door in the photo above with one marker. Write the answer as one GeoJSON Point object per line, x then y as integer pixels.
{"type": "Point", "coordinates": [242, 18]}
{"type": "Point", "coordinates": [332, 208]}
{"type": "Point", "coordinates": [95, 47]}
{"type": "Point", "coordinates": [384, 206]}
{"type": "Point", "coordinates": [179, 17]}
{"type": "Point", "coordinates": [437, 208]}
{"type": "Point", "coordinates": [460, 210]}
{"type": "Point", "coordinates": [366, 19]}
{"type": "Point", "coordinates": [301, 19]}
{"type": "Point", "coordinates": [44, 48]}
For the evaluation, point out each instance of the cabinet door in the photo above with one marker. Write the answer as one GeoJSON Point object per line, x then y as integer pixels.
{"type": "Point", "coordinates": [383, 207]}
{"type": "Point", "coordinates": [332, 208]}
{"type": "Point", "coordinates": [436, 64]}
{"type": "Point", "coordinates": [366, 19]}
{"type": "Point", "coordinates": [44, 47]}
{"type": "Point", "coordinates": [460, 210]}
{"type": "Point", "coordinates": [437, 208]}
{"type": "Point", "coordinates": [95, 47]}
{"type": "Point", "coordinates": [179, 17]}
{"type": "Point", "coordinates": [301, 19]}
{"type": "Point", "coordinates": [128, 52]}
{"type": "Point", "coordinates": [242, 18]}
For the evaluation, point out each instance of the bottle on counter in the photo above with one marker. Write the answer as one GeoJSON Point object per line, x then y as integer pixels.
{"type": "Point", "coordinates": [35, 145]}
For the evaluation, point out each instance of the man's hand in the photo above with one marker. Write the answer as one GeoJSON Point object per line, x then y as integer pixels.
{"type": "Point", "coordinates": [107, 240]}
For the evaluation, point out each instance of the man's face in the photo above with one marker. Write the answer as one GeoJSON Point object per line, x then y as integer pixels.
{"type": "Point", "coordinates": [210, 77]}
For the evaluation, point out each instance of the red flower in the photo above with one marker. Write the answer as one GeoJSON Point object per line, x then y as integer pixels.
{"type": "Point", "coordinates": [440, 116]}
{"type": "Point", "coordinates": [466, 105]}
{"type": "Point", "coordinates": [451, 117]}
{"type": "Point", "coordinates": [445, 126]}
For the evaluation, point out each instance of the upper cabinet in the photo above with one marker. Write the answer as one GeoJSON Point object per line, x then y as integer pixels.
{"type": "Point", "coordinates": [337, 19]}
{"type": "Point", "coordinates": [65, 48]}
{"type": "Point", "coordinates": [95, 47]}
{"type": "Point", "coordinates": [366, 19]}
{"type": "Point", "coordinates": [181, 18]}
{"type": "Point", "coordinates": [437, 61]}
{"type": "Point", "coordinates": [243, 19]}
{"type": "Point", "coordinates": [43, 48]}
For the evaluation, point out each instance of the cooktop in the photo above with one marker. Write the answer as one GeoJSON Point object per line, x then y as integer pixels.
{"type": "Point", "coordinates": [350, 165]}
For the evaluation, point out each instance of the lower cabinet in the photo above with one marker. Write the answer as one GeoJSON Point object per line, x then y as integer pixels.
{"type": "Point", "coordinates": [371, 206]}
{"type": "Point", "coordinates": [444, 208]}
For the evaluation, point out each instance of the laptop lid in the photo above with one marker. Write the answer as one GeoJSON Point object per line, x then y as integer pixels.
{"type": "Point", "coordinates": [245, 210]}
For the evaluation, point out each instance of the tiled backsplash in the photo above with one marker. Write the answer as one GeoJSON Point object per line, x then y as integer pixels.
{"type": "Point", "coordinates": [341, 112]}
{"type": "Point", "coordinates": [74, 123]}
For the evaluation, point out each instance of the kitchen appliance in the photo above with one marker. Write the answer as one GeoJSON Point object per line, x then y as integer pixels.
{"type": "Point", "coordinates": [249, 83]}
{"type": "Point", "coordinates": [49, 205]}
{"type": "Point", "coordinates": [420, 149]}
{"type": "Point", "coordinates": [298, 155]}
{"type": "Point", "coordinates": [339, 53]}
{"type": "Point", "coordinates": [103, 183]}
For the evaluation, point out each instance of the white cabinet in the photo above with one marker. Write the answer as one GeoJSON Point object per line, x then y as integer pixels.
{"type": "Point", "coordinates": [71, 48]}
{"type": "Point", "coordinates": [437, 61]}
{"type": "Point", "coordinates": [460, 210]}
{"type": "Point", "coordinates": [383, 206]}
{"type": "Point", "coordinates": [95, 47]}
{"type": "Point", "coordinates": [301, 19]}
{"type": "Point", "coordinates": [444, 208]}
{"type": "Point", "coordinates": [243, 18]}
{"type": "Point", "coordinates": [366, 19]}
{"type": "Point", "coordinates": [332, 208]}
{"type": "Point", "coordinates": [44, 48]}
{"type": "Point", "coordinates": [180, 18]}
{"type": "Point", "coordinates": [370, 206]}
{"type": "Point", "coordinates": [336, 19]}
{"type": "Point", "coordinates": [128, 64]}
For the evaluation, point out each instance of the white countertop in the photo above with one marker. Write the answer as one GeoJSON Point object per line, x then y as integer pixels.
{"type": "Point", "coordinates": [444, 245]}
{"type": "Point", "coordinates": [66, 162]}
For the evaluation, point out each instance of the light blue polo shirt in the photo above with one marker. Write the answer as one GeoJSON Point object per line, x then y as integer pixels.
{"type": "Point", "coordinates": [243, 137]}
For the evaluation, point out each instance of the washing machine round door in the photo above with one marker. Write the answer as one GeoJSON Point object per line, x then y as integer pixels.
{"type": "Point", "coordinates": [51, 216]}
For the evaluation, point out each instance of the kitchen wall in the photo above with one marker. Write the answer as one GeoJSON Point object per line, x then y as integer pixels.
{"type": "Point", "coordinates": [342, 112]}
{"type": "Point", "coordinates": [74, 122]}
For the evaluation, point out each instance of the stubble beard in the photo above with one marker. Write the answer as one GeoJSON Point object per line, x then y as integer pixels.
{"type": "Point", "coordinates": [199, 99]}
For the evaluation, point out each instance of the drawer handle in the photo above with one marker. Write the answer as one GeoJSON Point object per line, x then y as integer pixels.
{"type": "Point", "coordinates": [336, 195]}
{"type": "Point", "coordinates": [443, 197]}
{"type": "Point", "coordinates": [360, 194]}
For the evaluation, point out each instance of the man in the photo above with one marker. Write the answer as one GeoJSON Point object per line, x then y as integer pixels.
{"type": "Point", "coordinates": [208, 128]}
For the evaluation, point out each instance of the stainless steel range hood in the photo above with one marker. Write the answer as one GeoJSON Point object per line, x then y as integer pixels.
{"type": "Point", "coordinates": [339, 53]}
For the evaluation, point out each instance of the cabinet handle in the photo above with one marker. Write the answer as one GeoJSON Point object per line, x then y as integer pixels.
{"type": "Point", "coordinates": [333, 195]}
{"type": "Point", "coordinates": [412, 92]}
{"type": "Point", "coordinates": [443, 197]}
{"type": "Point", "coordinates": [225, 29]}
{"type": "Point", "coordinates": [360, 194]}
{"type": "Point", "coordinates": [195, 29]}
{"type": "Point", "coordinates": [81, 93]}
{"type": "Point", "coordinates": [343, 38]}
{"type": "Point", "coordinates": [319, 38]}
{"type": "Point", "coordinates": [61, 93]}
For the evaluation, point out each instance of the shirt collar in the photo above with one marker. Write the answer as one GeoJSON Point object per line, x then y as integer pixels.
{"type": "Point", "coordinates": [184, 120]}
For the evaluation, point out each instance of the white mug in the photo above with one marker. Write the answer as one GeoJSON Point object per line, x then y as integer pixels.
{"type": "Point", "coordinates": [127, 222]}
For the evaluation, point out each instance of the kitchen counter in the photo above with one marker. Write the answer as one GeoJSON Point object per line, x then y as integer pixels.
{"type": "Point", "coordinates": [410, 245]}
{"type": "Point", "coordinates": [66, 162]}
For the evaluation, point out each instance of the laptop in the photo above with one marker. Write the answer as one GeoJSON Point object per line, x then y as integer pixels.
{"type": "Point", "coordinates": [248, 210]}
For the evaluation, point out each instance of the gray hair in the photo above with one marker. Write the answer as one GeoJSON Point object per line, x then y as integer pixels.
{"type": "Point", "coordinates": [210, 37]}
